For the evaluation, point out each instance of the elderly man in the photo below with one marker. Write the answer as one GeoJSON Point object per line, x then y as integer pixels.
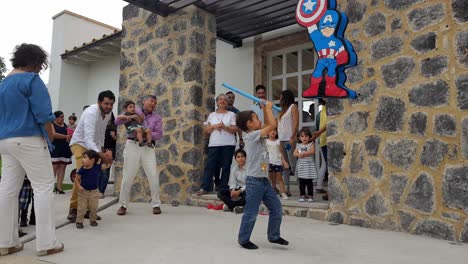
{"type": "Point", "coordinates": [89, 134]}
{"type": "Point", "coordinates": [134, 155]}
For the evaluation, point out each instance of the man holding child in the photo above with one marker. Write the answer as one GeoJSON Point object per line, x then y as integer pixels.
{"type": "Point", "coordinates": [136, 154]}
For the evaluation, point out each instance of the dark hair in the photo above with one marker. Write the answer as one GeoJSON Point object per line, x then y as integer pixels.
{"type": "Point", "coordinates": [73, 117]}
{"type": "Point", "coordinates": [259, 87]}
{"type": "Point", "coordinates": [287, 99]}
{"type": "Point", "coordinates": [91, 154]}
{"type": "Point", "coordinates": [127, 104]}
{"type": "Point", "coordinates": [84, 107]}
{"type": "Point", "coordinates": [305, 131]}
{"type": "Point", "coordinates": [242, 118]}
{"type": "Point", "coordinates": [229, 93]}
{"type": "Point", "coordinates": [57, 114]}
{"type": "Point", "coordinates": [240, 151]}
{"type": "Point", "coordinates": [29, 55]}
{"type": "Point", "coordinates": [106, 94]}
{"type": "Point", "coordinates": [322, 101]}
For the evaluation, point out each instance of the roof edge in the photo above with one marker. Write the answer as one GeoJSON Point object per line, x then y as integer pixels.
{"type": "Point", "coordinates": [84, 18]}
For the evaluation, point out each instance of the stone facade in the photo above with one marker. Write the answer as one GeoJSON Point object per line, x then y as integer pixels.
{"type": "Point", "coordinates": [173, 58]}
{"type": "Point", "coordinates": [398, 158]}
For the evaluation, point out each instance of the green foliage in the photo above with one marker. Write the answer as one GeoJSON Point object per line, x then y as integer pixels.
{"type": "Point", "coordinates": [2, 69]}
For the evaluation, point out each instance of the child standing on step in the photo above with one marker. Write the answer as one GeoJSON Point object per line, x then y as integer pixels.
{"type": "Point", "coordinates": [88, 182]}
{"type": "Point", "coordinates": [257, 182]}
{"type": "Point", "coordinates": [305, 165]}
{"type": "Point", "coordinates": [277, 163]}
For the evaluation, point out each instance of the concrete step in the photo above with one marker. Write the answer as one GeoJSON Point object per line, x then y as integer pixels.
{"type": "Point", "coordinates": [316, 210]}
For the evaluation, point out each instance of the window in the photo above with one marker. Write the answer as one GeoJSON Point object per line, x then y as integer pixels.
{"type": "Point", "coordinates": [290, 69]}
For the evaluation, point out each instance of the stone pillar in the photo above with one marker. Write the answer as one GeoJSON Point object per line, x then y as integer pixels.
{"type": "Point", "coordinates": [397, 155]}
{"type": "Point", "coordinates": [173, 58]}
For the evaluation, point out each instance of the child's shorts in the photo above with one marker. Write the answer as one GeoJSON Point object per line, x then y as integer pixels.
{"type": "Point", "coordinates": [275, 168]}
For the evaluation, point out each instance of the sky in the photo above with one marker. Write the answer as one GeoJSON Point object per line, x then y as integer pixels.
{"type": "Point", "coordinates": [30, 21]}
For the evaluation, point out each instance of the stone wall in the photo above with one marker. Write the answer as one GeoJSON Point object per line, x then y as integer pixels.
{"type": "Point", "coordinates": [398, 155]}
{"type": "Point", "coordinates": [173, 58]}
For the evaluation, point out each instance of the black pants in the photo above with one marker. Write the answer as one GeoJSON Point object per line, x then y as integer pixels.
{"type": "Point", "coordinates": [303, 183]}
{"type": "Point", "coordinates": [225, 196]}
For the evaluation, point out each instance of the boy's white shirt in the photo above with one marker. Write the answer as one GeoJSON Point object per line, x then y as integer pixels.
{"type": "Point", "coordinates": [237, 178]}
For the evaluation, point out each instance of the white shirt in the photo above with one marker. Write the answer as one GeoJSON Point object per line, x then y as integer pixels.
{"type": "Point", "coordinates": [237, 178]}
{"type": "Point", "coordinates": [285, 123]}
{"type": "Point", "coordinates": [222, 137]}
{"type": "Point", "coordinates": [91, 129]}
{"type": "Point", "coordinates": [274, 152]}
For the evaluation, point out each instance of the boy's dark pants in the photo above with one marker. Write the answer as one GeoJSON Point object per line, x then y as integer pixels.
{"type": "Point", "coordinates": [260, 189]}
{"type": "Point", "coordinates": [225, 196]}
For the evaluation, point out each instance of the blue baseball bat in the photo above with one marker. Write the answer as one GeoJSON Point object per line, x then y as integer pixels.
{"type": "Point", "coordinates": [256, 99]}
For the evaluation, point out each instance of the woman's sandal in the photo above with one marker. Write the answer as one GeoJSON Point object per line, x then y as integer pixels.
{"type": "Point", "coordinates": [59, 248]}
{"type": "Point", "coordinates": [11, 250]}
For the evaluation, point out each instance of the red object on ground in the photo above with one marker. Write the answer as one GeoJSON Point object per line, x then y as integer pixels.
{"type": "Point", "coordinates": [214, 207]}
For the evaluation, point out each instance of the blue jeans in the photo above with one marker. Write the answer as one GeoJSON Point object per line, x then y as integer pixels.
{"type": "Point", "coordinates": [103, 180]}
{"type": "Point", "coordinates": [218, 158]}
{"type": "Point", "coordinates": [258, 190]}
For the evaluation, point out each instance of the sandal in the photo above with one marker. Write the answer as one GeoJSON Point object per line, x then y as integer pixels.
{"type": "Point", "coordinates": [57, 249]}
{"type": "Point", "coordinates": [11, 250]}
{"type": "Point", "coordinates": [201, 192]}
{"type": "Point", "coordinates": [320, 191]}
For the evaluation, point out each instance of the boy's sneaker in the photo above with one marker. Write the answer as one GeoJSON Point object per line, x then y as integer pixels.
{"type": "Point", "coordinates": [226, 208]}
{"type": "Point", "coordinates": [280, 241]}
{"type": "Point", "coordinates": [93, 223]}
{"type": "Point", "coordinates": [79, 225]}
{"type": "Point", "coordinates": [249, 245]}
{"type": "Point", "coordinates": [142, 144]}
{"type": "Point", "coordinates": [302, 199]}
{"type": "Point", "coordinates": [150, 145]}
{"type": "Point", "coordinates": [310, 199]}
{"type": "Point", "coordinates": [284, 196]}
{"type": "Point", "coordinates": [238, 209]}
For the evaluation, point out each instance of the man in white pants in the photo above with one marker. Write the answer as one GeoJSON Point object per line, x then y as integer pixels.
{"type": "Point", "coordinates": [136, 155]}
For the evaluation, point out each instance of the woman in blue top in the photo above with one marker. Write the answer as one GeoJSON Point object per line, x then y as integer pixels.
{"type": "Point", "coordinates": [25, 128]}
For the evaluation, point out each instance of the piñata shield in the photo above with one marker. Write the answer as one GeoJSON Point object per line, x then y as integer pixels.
{"type": "Point", "coordinates": [309, 12]}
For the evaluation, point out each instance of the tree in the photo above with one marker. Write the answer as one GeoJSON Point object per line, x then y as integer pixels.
{"type": "Point", "coordinates": [2, 68]}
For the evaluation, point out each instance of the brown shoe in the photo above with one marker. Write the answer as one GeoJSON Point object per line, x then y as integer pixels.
{"type": "Point", "coordinates": [57, 249]}
{"type": "Point", "coordinates": [122, 211]}
{"type": "Point", "coordinates": [79, 225]}
{"type": "Point", "coordinates": [72, 215]}
{"type": "Point", "coordinates": [156, 210]}
{"type": "Point", "coordinates": [93, 223]}
{"type": "Point", "coordinates": [87, 216]}
{"type": "Point", "coordinates": [11, 250]}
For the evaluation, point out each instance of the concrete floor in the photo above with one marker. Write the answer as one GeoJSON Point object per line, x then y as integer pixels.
{"type": "Point", "coordinates": [198, 235]}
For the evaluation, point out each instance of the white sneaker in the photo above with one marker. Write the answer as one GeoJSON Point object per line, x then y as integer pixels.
{"type": "Point", "coordinates": [226, 208]}
{"type": "Point", "coordinates": [301, 199]}
{"type": "Point", "coordinates": [310, 200]}
{"type": "Point", "coordinates": [284, 196]}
